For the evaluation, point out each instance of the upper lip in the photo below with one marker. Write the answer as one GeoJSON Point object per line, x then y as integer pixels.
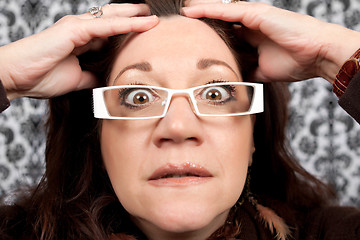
{"type": "Point", "coordinates": [190, 169]}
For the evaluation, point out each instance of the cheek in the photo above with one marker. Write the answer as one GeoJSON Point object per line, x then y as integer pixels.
{"type": "Point", "coordinates": [236, 151]}
{"type": "Point", "coordinates": [120, 146]}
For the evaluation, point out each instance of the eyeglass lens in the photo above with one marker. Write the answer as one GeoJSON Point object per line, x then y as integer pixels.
{"type": "Point", "coordinates": [147, 101]}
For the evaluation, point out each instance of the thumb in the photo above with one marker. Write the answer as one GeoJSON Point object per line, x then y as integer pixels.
{"type": "Point", "coordinates": [87, 80]}
{"type": "Point", "coordinates": [259, 76]}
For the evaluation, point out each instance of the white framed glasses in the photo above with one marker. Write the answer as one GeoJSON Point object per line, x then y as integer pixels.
{"type": "Point", "coordinates": [147, 102]}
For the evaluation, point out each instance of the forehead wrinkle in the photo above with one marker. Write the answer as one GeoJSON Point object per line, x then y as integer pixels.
{"type": "Point", "coordinates": [142, 66]}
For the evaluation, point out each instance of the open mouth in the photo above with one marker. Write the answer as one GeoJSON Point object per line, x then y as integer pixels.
{"type": "Point", "coordinates": [183, 174]}
{"type": "Point", "coordinates": [180, 175]}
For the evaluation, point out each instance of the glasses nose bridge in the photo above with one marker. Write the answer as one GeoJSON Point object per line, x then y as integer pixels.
{"type": "Point", "coordinates": [182, 93]}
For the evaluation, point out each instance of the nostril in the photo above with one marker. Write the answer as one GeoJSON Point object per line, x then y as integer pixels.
{"type": "Point", "coordinates": [192, 138]}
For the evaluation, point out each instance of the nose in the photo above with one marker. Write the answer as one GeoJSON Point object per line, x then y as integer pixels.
{"type": "Point", "coordinates": [180, 124]}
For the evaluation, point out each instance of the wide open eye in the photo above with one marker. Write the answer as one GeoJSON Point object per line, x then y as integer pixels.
{"type": "Point", "coordinates": [215, 93]}
{"type": "Point", "coordinates": [137, 97]}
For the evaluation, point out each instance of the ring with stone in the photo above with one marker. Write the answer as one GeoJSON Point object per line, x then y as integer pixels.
{"type": "Point", "coordinates": [97, 12]}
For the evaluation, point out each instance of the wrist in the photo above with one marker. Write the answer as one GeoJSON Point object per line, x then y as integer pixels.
{"type": "Point", "coordinates": [335, 53]}
{"type": "Point", "coordinates": [5, 76]}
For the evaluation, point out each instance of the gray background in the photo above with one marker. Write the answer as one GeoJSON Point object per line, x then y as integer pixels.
{"type": "Point", "coordinates": [324, 138]}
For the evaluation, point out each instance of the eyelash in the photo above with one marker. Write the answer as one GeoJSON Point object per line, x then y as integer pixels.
{"type": "Point", "coordinates": [209, 82]}
{"type": "Point", "coordinates": [216, 81]}
{"type": "Point", "coordinates": [137, 83]}
{"type": "Point", "coordinates": [230, 88]}
{"type": "Point", "coordinates": [123, 92]}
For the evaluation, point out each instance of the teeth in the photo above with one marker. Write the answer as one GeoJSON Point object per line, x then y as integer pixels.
{"type": "Point", "coordinates": [179, 175]}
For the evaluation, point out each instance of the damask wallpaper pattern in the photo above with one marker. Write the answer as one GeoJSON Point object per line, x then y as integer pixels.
{"type": "Point", "coordinates": [323, 137]}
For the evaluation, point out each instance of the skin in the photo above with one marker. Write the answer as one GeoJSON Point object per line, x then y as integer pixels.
{"type": "Point", "coordinates": [133, 149]}
{"type": "Point", "coordinates": [287, 50]}
{"type": "Point", "coordinates": [48, 66]}
{"type": "Point", "coordinates": [291, 46]}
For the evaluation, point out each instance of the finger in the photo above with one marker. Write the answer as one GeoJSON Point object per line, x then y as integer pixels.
{"type": "Point", "coordinates": [255, 38]}
{"type": "Point", "coordinates": [121, 10]}
{"type": "Point", "coordinates": [95, 44]}
{"type": "Point", "coordinates": [220, 11]}
{"type": "Point", "coordinates": [106, 27]}
{"type": "Point", "coordinates": [82, 31]}
{"type": "Point", "coordinates": [66, 77]}
{"type": "Point", "coordinates": [248, 13]}
{"type": "Point", "coordinates": [189, 3]}
{"type": "Point", "coordinates": [55, 43]}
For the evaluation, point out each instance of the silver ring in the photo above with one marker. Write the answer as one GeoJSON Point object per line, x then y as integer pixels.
{"type": "Point", "coordinates": [97, 12]}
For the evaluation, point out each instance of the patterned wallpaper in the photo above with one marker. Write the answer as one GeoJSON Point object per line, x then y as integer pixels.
{"type": "Point", "coordinates": [324, 138]}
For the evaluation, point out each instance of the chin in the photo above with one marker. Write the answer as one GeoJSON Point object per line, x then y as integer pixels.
{"type": "Point", "coordinates": [185, 223]}
{"type": "Point", "coordinates": [186, 219]}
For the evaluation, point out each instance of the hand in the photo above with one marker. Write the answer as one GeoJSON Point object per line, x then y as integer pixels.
{"type": "Point", "coordinates": [45, 65]}
{"type": "Point", "coordinates": [291, 46]}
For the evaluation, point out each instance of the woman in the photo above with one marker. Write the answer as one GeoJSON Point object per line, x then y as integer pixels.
{"type": "Point", "coordinates": [104, 177]}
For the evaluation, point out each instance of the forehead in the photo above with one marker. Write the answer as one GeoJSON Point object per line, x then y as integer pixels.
{"type": "Point", "coordinates": [175, 43]}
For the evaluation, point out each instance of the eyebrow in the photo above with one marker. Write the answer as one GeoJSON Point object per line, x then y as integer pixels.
{"type": "Point", "coordinates": [205, 63]}
{"type": "Point", "coordinates": [202, 64]}
{"type": "Point", "coordinates": [142, 66]}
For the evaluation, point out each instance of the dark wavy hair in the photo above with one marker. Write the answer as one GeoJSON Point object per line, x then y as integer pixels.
{"type": "Point", "coordinates": [75, 199]}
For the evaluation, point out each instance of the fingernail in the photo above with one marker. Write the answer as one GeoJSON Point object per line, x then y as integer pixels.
{"type": "Point", "coordinates": [150, 17]}
{"type": "Point", "coordinates": [182, 10]}
{"type": "Point", "coordinates": [147, 18]}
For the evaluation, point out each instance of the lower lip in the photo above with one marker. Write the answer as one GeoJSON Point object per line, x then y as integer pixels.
{"type": "Point", "coordinates": [179, 182]}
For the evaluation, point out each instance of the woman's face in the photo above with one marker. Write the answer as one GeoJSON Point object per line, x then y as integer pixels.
{"type": "Point", "coordinates": [179, 53]}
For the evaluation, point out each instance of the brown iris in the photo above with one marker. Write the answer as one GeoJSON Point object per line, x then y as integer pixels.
{"type": "Point", "coordinates": [213, 95]}
{"type": "Point", "coordinates": [140, 98]}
